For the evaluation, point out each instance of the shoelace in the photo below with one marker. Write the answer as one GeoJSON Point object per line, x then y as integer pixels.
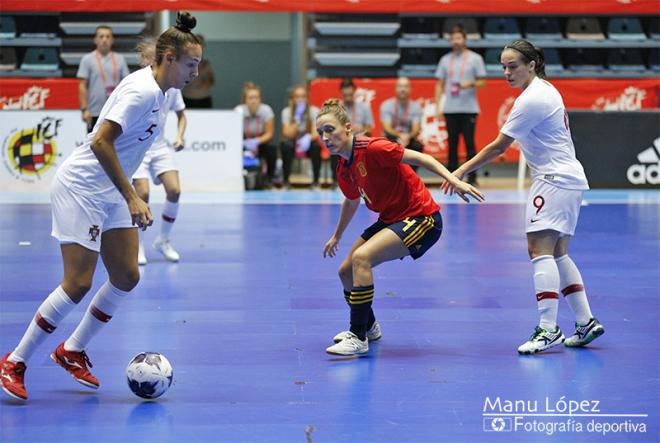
{"type": "Point", "coordinates": [86, 359]}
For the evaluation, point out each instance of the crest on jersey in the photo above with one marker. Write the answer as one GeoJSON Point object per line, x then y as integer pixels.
{"type": "Point", "coordinates": [362, 169]}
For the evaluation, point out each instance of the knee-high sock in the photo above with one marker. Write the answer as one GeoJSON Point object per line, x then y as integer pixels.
{"type": "Point", "coordinates": [103, 306]}
{"type": "Point", "coordinates": [546, 286]}
{"type": "Point", "coordinates": [56, 306]}
{"type": "Point", "coordinates": [361, 299]}
{"type": "Point", "coordinates": [573, 289]}
{"type": "Point", "coordinates": [170, 210]}
{"type": "Point", "coordinates": [372, 316]}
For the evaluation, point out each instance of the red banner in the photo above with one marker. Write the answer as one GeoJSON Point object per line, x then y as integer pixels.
{"type": "Point", "coordinates": [349, 6]}
{"type": "Point", "coordinates": [496, 100]}
{"type": "Point", "coordinates": [37, 93]}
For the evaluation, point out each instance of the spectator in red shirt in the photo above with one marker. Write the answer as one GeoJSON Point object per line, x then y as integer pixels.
{"type": "Point", "coordinates": [409, 222]}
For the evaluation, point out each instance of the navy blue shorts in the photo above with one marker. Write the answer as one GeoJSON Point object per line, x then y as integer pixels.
{"type": "Point", "coordinates": [417, 233]}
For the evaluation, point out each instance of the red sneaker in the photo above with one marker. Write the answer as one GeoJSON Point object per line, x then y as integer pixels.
{"type": "Point", "coordinates": [12, 375]}
{"type": "Point", "coordinates": [76, 364]}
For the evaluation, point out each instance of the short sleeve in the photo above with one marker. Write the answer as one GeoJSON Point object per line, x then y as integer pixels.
{"type": "Point", "coordinates": [368, 115]}
{"type": "Point", "coordinates": [524, 116]}
{"type": "Point", "coordinates": [383, 152]}
{"type": "Point", "coordinates": [441, 70]}
{"type": "Point", "coordinates": [267, 113]}
{"type": "Point", "coordinates": [286, 115]}
{"type": "Point", "coordinates": [83, 68]}
{"type": "Point", "coordinates": [124, 68]}
{"type": "Point", "coordinates": [178, 104]}
{"type": "Point", "coordinates": [130, 107]}
{"type": "Point", "coordinates": [480, 67]}
{"type": "Point", "coordinates": [346, 183]}
{"type": "Point", "coordinates": [415, 113]}
{"type": "Point", "coordinates": [385, 112]}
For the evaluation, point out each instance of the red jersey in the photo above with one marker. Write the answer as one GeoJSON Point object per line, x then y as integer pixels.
{"type": "Point", "coordinates": [388, 187]}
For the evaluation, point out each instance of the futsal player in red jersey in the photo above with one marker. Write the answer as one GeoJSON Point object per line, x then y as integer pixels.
{"type": "Point", "coordinates": [409, 222]}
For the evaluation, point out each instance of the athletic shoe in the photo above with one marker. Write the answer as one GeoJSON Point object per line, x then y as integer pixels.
{"type": "Point", "coordinates": [76, 364]}
{"type": "Point", "coordinates": [585, 334]}
{"type": "Point", "coordinates": [541, 340]}
{"type": "Point", "coordinates": [373, 334]}
{"type": "Point", "coordinates": [350, 345]}
{"type": "Point", "coordinates": [11, 375]}
{"type": "Point", "coordinates": [166, 249]}
{"type": "Point", "coordinates": [142, 258]}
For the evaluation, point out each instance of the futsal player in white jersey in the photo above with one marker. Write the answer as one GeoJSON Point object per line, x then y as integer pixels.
{"type": "Point", "coordinates": [539, 122]}
{"type": "Point", "coordinates": [159, 165]}
{"type": "Point", "coordinates": [95, 208]}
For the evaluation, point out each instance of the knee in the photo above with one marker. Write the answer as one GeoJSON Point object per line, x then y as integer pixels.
{"type": "Point", "coordinates": [345, 270]}
{"type": "Point", "coordinates": [128, 280]}
{"type": "Point", "coordinates": [76, 288]}
{"type": "Point", "coordinates": [361, 259]}
{"type": "Point", "coordinates": [173, 194]}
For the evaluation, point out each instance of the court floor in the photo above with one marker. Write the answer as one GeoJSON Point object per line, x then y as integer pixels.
{"type": "Point", "coordinates": [246, 315]}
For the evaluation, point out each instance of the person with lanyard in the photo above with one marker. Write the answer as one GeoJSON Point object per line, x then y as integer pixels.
{"type": "Point", "coordinates": [539, 122]}
{"type": "Point", "coordinates": [258, 129]}
{"type": "Point", "coordinates": [401, 117]}
{"type": "Point", "coordinates": [100, 72]}
{"type": "Point", "coordinates": [96, 211]}
{"type": "Point", "coordinates": [460, 73]}
{"type": "Point", "coordinates": [409, 221]}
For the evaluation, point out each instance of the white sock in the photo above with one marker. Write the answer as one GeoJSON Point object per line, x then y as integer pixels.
{"type": "Point", "coordinates": [56, 306]}
{"type": "Point", "coordinates": [170, 210]}
{"type": "Point", "coordinates": [103, 306]}
{"type": "Point", "coordinates": [573, 289]}
{"type": "Point", "coordinates": [546, 285]}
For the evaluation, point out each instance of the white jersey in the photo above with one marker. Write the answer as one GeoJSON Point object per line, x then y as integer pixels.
{"type": "Point", "coordinates": [539, 122]}
{"type": "Point", "coordinates": [173, 102]}
{"type": "Point", "coordinates": [135, 105]}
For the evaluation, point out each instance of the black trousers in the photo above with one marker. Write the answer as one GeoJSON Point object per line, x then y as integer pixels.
{"type": "Point", "coordinates": [288, 152]}
{"type": "Point", "coordinates": [458, 124]}
{"type": "Point", "coordinates": [268, 153]}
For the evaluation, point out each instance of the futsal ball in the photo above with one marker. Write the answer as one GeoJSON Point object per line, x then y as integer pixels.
{"type": "Point", "coordinates": [149, 375]}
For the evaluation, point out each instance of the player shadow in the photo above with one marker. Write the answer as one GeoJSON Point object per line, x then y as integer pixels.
{"type": "Point", "coordinates": [148, 412]}
{"type": "Point", "coordinates": [80, 392]}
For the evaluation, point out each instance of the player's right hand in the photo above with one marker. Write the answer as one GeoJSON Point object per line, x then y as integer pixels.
{"type": "Point", "coordinates": [447, 188]}
{"type": "Point", "coordinates": [331, 247]}
{"type": "Point", "coordinates": [140, 213]}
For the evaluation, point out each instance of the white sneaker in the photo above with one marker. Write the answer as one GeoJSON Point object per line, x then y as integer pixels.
{"type": "Point", "coordinates": [585, 334]}
{"type": "Point", "coordinates": [350, 345]}
{"type": "Point", "coordinates": [373, 334]}
{"type": "Point", "coordinates": [166, 249]}
{"type": "Point", "coordinates": [142, 258]}
{"type": "Point", "coordinates": [541, 340]}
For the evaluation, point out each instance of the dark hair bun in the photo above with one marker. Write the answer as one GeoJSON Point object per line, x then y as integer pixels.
{"type": "Point", "coordinates": [185, 22]}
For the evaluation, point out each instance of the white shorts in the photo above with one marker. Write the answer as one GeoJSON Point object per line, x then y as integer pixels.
{"type": "Point", "coordinates": [550, 207]}
{"type": "Point", "coordinates": [155, 162]}
{"type": "Point", "coordinates": [80, 219]}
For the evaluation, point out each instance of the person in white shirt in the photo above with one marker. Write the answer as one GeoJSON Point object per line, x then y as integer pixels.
{"type": "Point", "coordinates": [159, 165]}
{"type": "Point", "coordinates": [539, 122]}
{"type": "Point", "coordinates": [95, 209]}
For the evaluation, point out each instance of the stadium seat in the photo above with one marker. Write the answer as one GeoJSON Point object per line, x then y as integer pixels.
{"type": "Point", "coordinates": [7, 26]}
{"type": "Point", "coordinates": [585, 29]}
{"type": "Point", "coordinates": [501, 28]}
{"type": "Point", "coordinates": [543, 28]}
{"type": "Point", "coordinates": [552, 60]}
{"type": "Point", "coordinates": [40, 59]}
{"type": "Point", "coordinates": [7, 58]}
{"type": "Point", "coordinates": [625, 29]}
{"type": "Point", "coordinates": [419, 27]}
{"type": "Point", "coordinates": [654, 28]}
{"type": "Point", "coordinates": [654, 60]}
{"type": "Point", "coordinates": [584, 60]}
{"type": "Point", "coordinates": [492, 60]}
{"type": "Point", "coordinates": [621, 59]}
{"type": "Point", "coordinates": [356, 59]}
{"type": "Point", "coordinates": [359, 28]}
{"type": "Point", "coordinates": [469, 25]}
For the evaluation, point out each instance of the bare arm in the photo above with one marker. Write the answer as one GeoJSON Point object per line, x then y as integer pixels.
{"type": "Point", "coordinates": [389, 129]}
{"type": "Point", "coordinates": [476, 84]}
{"type": "Point", "coordinates": [181, 130]}
{"type": "Point", "coordinates": [439, 90]}
{"type": "Point", "coordinates": [103, 147]}
{"type": "Point", "coordinates": [269, 130]}
{"type": "Point", "coordinates": [83, 96]}
{"type": "Point", "coordinates": [348, 209]}
{"type": "Point", "coordinates": [427, 162]}
{"type": "Point", "coordinates": [489, 153]}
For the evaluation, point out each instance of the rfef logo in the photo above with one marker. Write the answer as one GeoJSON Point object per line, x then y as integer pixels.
{"type": "Point", "coordinates": [647, 172]}
{"type": "Point", "coordinates": [30, 152]}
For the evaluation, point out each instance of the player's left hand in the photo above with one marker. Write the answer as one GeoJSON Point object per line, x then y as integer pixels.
{"type": "Point", "coordinates": [178, 144]}
{"type": "Point", "coordinates": [331, 247]}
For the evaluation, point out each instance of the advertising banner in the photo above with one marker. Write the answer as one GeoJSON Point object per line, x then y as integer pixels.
{"type": "Point", "coordinates": [39, 93]}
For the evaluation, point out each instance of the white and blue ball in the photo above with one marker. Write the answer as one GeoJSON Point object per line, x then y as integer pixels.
{"type": "Point", "coordinates": [149, 375]}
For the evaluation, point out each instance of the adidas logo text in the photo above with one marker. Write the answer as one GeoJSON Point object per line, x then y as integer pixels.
{"type": "Point", "coordinates": [648, 169]}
